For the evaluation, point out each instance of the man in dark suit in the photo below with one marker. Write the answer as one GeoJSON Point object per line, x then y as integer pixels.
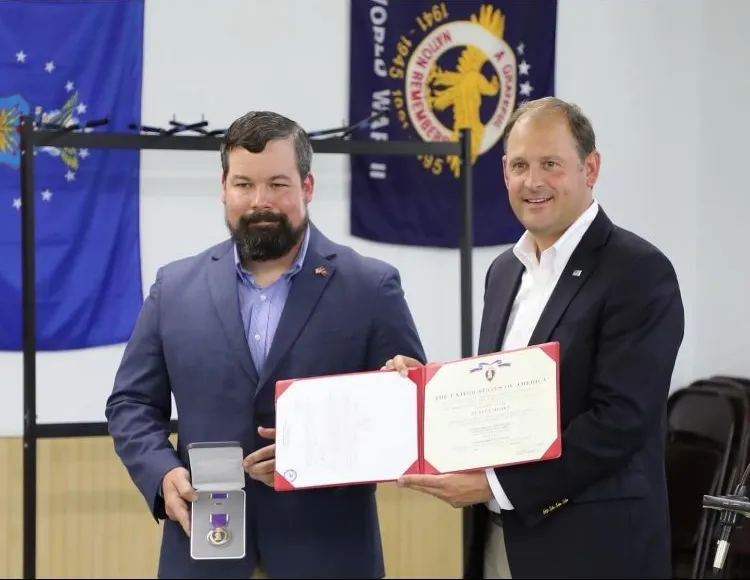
{"type": "Point", "coordinates": [278, 300]}
{"type": "Point", "coordinates": [612, 301]}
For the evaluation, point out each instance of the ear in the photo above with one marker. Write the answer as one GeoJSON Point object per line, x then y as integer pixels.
{"type": "Point", "coordinates": [592, 165]}
{"type": "Point", "coordinates": [308, 187]}
{"type": "Point", "coordinates": [505, 170]}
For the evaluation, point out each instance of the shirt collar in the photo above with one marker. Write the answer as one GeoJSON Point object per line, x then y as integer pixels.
{"type": "Point", "coordinates": [295, 267]}
{"type": "Point", "coordinates": [563, 248]}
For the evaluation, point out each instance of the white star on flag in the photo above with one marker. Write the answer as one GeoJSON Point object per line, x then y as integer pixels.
{"type": "Point", "coordinates": [46, 195]}
{"type": "Point", "coordinates": [20, 56]}
{"type": "Point", "coordinates": [49, 67]}
{"type": "Point", "coordinates": [523, 68]}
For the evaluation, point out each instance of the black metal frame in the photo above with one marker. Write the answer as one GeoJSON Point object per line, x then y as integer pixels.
{"type": "Point", "coordinates": [32, 137]}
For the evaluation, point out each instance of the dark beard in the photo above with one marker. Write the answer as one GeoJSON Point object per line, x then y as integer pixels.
{"type": "Point", "coordinates": [271, 241]}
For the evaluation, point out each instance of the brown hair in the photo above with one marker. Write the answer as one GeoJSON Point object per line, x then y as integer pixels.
{"type": "Point", "coordinates": [579, 124]}
{"type": "Point", "coordinates": [255, 129]}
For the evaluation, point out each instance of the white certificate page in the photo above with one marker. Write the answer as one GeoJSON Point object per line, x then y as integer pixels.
{"type": "Point", "coordinates": [491, 411]}
{"type": "Point", "coordinates": [346, 429]}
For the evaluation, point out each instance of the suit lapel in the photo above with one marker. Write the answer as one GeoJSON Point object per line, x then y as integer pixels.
{"type": "Point", "coordinates": [222, 282]}
{"type": "Point", "coordinates": [496, 320]}
{"type": "Point", "coordinates": [578, 270]}
{"type": "Point", "coordinates": [305, 292]}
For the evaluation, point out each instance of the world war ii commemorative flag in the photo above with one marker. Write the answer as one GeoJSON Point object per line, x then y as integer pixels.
{"type": "Point", "coordinates": [437, 68]}
{"type": "Point", "coordinates": [67, 63]}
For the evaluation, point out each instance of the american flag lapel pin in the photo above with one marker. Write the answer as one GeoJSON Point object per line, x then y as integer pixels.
{"type": "Point", "coordinates": [321, 271]}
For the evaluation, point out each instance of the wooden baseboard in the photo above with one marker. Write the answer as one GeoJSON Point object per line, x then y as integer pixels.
{"type": "Point", "coordinates": [93, 523]}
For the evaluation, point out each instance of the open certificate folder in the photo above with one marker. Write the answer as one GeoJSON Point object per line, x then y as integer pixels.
{"type": "Point", "coordinates": [465, 415]}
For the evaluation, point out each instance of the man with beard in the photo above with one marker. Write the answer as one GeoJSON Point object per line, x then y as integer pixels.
{"type": "Point", "coordinates": [218, 330]}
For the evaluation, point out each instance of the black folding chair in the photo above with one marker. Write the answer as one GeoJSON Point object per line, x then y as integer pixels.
{"type": "Point", "coordinates": [700, 432]}
{"type": "Point", "coordinates": [737, 389]}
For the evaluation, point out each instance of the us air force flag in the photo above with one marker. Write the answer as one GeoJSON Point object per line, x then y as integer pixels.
{"type": "Point", "coordinates": [66, 63]}
{"type": "Point", "coordinates": [439, 67]}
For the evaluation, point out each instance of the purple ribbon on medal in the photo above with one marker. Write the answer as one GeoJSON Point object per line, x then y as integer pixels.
{"type": "Point", "coordinates": [219, 520]}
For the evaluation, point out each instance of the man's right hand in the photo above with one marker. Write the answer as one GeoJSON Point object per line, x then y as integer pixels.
{"type": "Point", "coordinates": [401, 363]}
{"type": "Point", "coordinates": [178, 491]}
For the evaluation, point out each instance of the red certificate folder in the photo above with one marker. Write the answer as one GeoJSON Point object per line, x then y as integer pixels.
{"type": "Point", "coordinates": [465, 415]}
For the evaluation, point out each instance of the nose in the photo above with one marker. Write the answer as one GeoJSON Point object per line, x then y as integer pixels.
{"type": "Point", "coordinates": [534, 179]}
{"type": "Point", "coordinates": [260, 198]}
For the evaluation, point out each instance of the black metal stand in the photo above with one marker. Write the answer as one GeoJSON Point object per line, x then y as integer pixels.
{"type": "Point", "coordinates": [467, 332]}
{"type": "Point", "coordinates": [28, 285]}
{"type": "Point", "coordinates": [466, 245]}
{"type": "Point", "coordinates": [31, 137]}
{"type": "Point", "coordinates": [731, 508]}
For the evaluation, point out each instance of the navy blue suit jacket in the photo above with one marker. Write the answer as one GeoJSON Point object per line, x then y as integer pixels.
{"type": "Point", "coordinates": [600, 510]}
{"type": "Point", "coordinates": [189, 341]}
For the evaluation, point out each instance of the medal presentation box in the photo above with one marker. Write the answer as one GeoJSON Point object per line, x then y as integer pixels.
{"type": "Point", "coordinates": [217, 517]}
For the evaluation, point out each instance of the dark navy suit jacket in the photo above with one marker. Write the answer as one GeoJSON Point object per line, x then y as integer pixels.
{"type": "Point", "coordinates": [189, 341]}
{"type": "Point", "coordinates": [600, 510]}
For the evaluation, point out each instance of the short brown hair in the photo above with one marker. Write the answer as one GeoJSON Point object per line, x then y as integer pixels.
{"type": "Point", "coordinates": [255, 129]}
{"type": "Point", "coordinates": [580, 126]}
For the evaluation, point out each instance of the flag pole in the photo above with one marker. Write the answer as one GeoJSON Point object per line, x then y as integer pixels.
{"type": "Point", "coordinates": [28, 276]}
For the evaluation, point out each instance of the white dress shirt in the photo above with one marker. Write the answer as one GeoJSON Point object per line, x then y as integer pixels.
{"type": "Point", "coordinates": [537, 283]}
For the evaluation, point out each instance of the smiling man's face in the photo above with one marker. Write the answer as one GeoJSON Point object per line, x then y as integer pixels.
{"type": "Point", "coordinates": [548, 183]}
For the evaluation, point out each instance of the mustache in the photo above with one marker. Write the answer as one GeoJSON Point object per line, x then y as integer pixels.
{"type": "Point", "coordinates": [260, 217]}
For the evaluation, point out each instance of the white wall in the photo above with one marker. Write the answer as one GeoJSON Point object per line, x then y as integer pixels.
{"type": "Point", "coordinates": [723, 123]}
{"type": "Point", "coordinates": [660, 81]}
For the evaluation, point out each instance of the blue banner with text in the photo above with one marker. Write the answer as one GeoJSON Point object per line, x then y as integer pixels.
{"type": "Point", "coordinates": [433, 69]}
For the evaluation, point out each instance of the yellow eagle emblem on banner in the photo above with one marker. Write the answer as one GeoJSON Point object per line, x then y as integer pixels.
{"type": "Point", "coordinates": [485, 68]}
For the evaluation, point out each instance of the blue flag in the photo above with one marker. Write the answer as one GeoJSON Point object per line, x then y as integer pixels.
{"type": "Point", "coordinates": [68, 63]}
{"type": "Point", "coordinates": [439, 67]}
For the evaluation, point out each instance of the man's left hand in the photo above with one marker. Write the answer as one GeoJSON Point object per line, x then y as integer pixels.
{"type": "Point", "coordinates": [261, 464]}
{"type": "Point", "coordinates": [456, 489]}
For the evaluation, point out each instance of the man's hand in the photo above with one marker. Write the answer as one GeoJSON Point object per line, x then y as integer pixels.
{"type": "Point", "coordinates": [261, 464]}
{"type": "Point", "coordinates": [178, 491]}
{"type": "Point", "coordinates": [401, 363]}
{"type": "Point", "coordinates": [456, 489]}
